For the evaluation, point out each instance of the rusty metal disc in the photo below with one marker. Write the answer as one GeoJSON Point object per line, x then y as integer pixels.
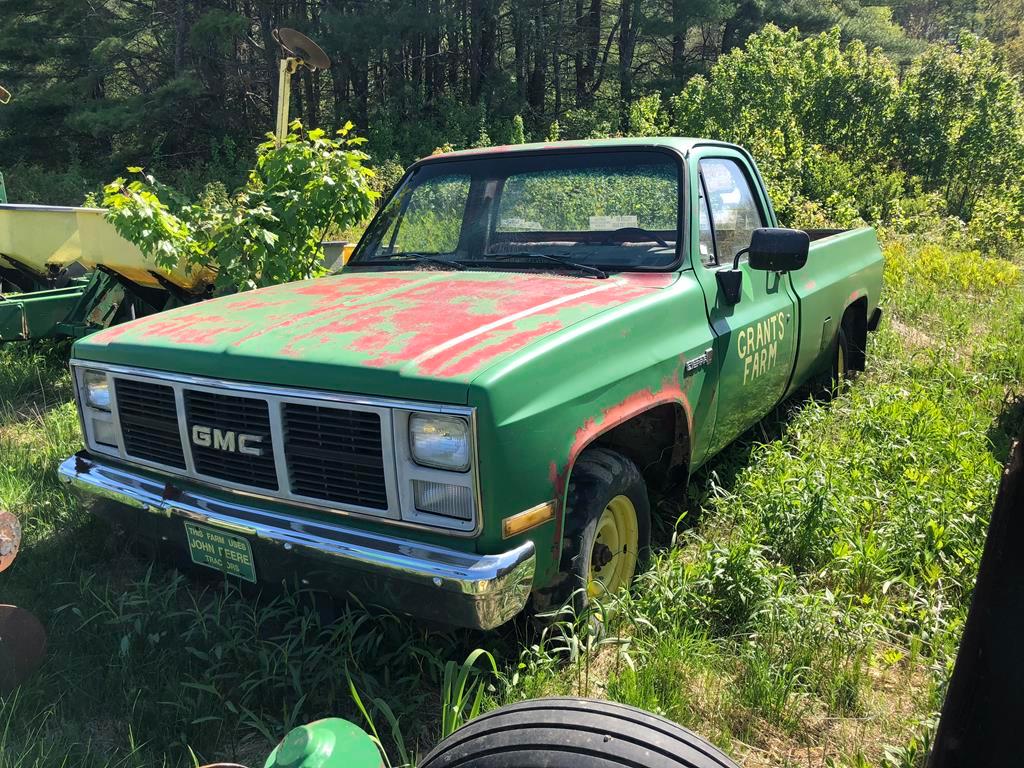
{"type": "Point", "coordinates": [300, 46]}
{"type": "Point", "coordinates": [10, 539]}
{"type": "Point", "coordinates": [22, 646]}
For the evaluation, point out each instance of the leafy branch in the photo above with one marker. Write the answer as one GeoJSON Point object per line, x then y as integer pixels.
{"type": "Point", "coordinates": [271, 230]}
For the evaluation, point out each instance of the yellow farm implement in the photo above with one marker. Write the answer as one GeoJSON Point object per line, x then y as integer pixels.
{"type": "Point", "coordinates": [65, 272]}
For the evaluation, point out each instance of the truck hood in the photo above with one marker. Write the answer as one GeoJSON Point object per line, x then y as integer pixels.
{"type": "Point", "coordinates": [422, 335]}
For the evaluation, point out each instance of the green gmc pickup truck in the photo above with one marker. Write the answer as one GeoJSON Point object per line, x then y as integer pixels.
{"type": "Point", "coordinates": [527, 342]}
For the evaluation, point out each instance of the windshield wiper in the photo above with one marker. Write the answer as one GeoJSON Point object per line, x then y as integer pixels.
{"type": "Point", "coordinates": [587, 268]}
{"type": "Point", "coordinates": [427, 259]}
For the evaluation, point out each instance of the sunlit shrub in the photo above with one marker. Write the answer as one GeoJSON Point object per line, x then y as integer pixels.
{"type": "Point", "coordinates": [997, 226]}
{"type": "Point", "coordinates": [939, 267]}
{"type": "Point", "coordinates": [965, 270]}
{"type": "Point", "coordinates": [269, 231]}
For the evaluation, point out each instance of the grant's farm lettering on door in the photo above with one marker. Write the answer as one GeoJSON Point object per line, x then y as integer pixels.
{"type": "Point", "coordinates": [758, 345]}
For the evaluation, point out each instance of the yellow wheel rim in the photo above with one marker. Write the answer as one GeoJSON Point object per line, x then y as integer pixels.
{"type": "Point", "coordinates": [613, 553]}
{"type": "Point", "coordinates": [841, 363]}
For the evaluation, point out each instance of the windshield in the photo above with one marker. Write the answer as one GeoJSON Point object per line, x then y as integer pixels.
{"type": "Point", "coordinates": [610, 210]}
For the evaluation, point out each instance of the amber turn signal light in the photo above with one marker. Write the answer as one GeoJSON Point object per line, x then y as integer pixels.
{"type": "Point", "coordinates": [530, 518]}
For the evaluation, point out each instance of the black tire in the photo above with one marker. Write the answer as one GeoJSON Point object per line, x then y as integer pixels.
{"type": "Point", "coordinates": [573, 733]}
{"type": "Point", "coordinates": [841, 357]}
{"type": "Point", "coordinates": [841, 372]}
{"type": "Point", "coordinates": [599, 476]}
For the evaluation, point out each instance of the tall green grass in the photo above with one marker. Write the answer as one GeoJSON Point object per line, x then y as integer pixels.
{"type": "Point", "coordinates": [804, 609]}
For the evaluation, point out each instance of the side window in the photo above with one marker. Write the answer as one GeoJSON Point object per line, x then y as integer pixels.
{"type": "Point", "coordinates": [708, 257]}
{"type": "Point", "coordinates": [734, 210]}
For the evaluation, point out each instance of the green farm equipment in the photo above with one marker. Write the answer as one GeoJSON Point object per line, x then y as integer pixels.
{"type": "Point", "coordinates": [65, 272]}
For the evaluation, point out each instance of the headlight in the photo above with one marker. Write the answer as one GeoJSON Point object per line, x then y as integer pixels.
{"type": "Point", "coordinates": [97, 390]}
{"type": "Point", "coordinates": [439, 441]}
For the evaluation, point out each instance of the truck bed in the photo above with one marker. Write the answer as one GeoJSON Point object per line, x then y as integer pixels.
{"type": "Point", "coordinates": [821, 234]}
{"type": "Point", "coordinates": [843, 267]}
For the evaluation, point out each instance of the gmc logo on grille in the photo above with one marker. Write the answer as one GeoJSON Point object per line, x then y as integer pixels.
{"type": "Point", "coordinates": [227, 440]}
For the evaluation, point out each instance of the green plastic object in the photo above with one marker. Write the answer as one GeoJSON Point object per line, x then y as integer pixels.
{"type": "Point", "coordinates": [328, 743]}
{"type": "Point", "coordinates": [3, 191]}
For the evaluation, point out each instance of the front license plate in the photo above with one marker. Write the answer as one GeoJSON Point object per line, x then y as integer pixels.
{"type": "Point", "coordinates": [222, 551]}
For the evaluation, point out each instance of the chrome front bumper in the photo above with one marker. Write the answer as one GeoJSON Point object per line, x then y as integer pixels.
{"type": "Point", "coordinates": [426, 581]}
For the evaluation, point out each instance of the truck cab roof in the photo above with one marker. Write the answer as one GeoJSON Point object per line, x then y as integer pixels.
{"type": "Point", "coordinates": [680, 144]}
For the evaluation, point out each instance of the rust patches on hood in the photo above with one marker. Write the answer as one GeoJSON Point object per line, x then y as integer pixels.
{"type": "Point", "coordinates": [198, 331]}
{"type": "Point", "coordinates": [443, 329]}
{"type": "Point", "coordinates": [329, 297]}
{"type": "Point", "coordinates": [434, 324]}
{"type": "Point", "coordinates": [190, 328]}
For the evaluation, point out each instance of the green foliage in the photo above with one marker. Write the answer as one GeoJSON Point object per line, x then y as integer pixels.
{"type": "Point", "coordinates": [581, 123]}
{"type": "Point", "coordinates": [518, 131]}
{"type": "Point", "coordinates": [840, 139]}
{"type": "Point", "coordinates": [877, 27]}
{"type": "Point", "coordinates": [385, 176]}
{"type": "Point", "coordinates": [483, 138]}
{"type": "Point", "coordinates": [959, 122]}
{"type": "Point", "coordinates": [462, 691]}
{"type": "Point", "coordinates": [270, 230]}
{"type": "Point", "coordinates": [997, 222]}
{"type": "Point", "coordinates": [164, 89]}
{"type": "Point", "coordinates": [34, 183]}
{"type": "Point", "coordinates": [808, 109]}
{"type": "Point", "coordinates": [647, 117]}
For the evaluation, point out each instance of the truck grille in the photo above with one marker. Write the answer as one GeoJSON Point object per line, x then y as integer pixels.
{"type": "Point", "coordinates": [335, 454]}
{"type": "Point", "coordinates": [228, 424]}
{"type": "Point", "coordinates": [332, 454]}
{"type": "Point", "coordinates": [149, 422]}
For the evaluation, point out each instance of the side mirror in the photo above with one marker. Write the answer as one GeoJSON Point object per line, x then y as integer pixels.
{"type": "Point", "coordinates": [774, 249]}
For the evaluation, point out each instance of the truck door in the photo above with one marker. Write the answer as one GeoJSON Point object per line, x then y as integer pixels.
{"type": "Point", "coordinates": [755, 339]}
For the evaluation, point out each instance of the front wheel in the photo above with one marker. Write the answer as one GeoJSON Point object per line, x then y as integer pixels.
{"type": "Point", "coordinates": [607, 532]}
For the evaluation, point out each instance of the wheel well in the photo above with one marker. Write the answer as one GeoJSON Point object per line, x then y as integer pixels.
{"type": "Point", "coordinates": [855, 324]}
{"type": "Point", "coordinates": [656, 440]}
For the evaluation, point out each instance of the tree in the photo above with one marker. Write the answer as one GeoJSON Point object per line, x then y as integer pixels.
{"type": "Point", "coordinates": [187, 87]}
{"type": "Point", "coordinates": [959, 123]}
{"type": "Point", "coordinates": [793, 101]}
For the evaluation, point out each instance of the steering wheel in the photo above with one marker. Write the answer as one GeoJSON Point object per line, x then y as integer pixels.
{"type": "Point", "coordinates": [623, 234]}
